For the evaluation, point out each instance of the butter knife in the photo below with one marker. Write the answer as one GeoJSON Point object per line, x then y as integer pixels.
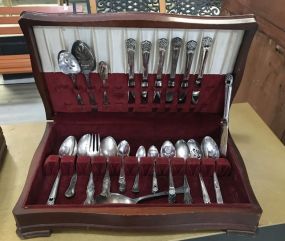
{"type": "Point", "coordinates": [162, 45]}
{"type": "Point", "coordinates": [225, 120]}
{"type": "Point", "coordinates": [190, 50]}
{"type": "Point", "coordinates": [146, 47]}
{"type": "Point", "coordinates": [131, 48]}
{"type": "Point", "coordinates": [176, 44]}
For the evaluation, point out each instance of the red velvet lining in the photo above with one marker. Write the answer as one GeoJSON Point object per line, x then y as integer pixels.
{"type": "Point", "coordinates": [140, 124]}
{"type": "Point", "coordinates": [63, 95]}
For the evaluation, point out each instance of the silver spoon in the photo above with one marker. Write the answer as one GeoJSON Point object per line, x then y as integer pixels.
{"type": "Point", "coordinates": [153, 152]}
{"type": "Point", "coordinates": [68, 65]}
{"type": "Point", "coordinates": [140, 153]}
{"type": "Point", "coordinates": [66, 149]}
{"type": "Point", "coordinates": [168, 150]}
{"type": "Point", "coordinates": [182, 151]}
{"type": "Point", "coordinates": [195, 152]}
{"type": "Point", "coordinates": [123, 151]}
{"type": "Point", "coordinates": [117, 198]}
{"type": "Point", "coordinates": [82, 151]}
{"type": "Point", "coordinates": [87, 62]}
{"type": "Point", "coordinates": [108, 148]}
{"type": "Point", "coordinates": [210, 149]}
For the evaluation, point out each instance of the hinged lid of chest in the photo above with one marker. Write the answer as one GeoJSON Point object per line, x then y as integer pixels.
{"type": "Point", "coordinates": [107, 35]}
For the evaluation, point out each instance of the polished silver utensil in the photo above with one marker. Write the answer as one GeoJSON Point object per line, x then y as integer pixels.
{"type": "Point", "coordinates": [117, 198]}
{"type": "Point", "coordinates": [190, 50]}
{"type": "Point", "coordinates": [168, 150]}
{"type": "Point", "coordinates": [183, 152]}
{"type": "Point", "coordinates": [81, 151]}
{"type": "Point", "coordinates": [194, 149]}
{"type": "Point", "coordinates": [176, 44]}
{"type": "Point", "coordinates": [68, 65]}
{"type": "Point", "coordinates": [204, 52]}
{"type": "Point", "coordinates": [162, 46]}
{"type": "Point", "coordinates": [103, 73]}
{"type": "Point", "coordinates": [153, 152]}
{"type": "Point", "coordinates": [225, 121]}
{"type": "Point", "coordinates": [87, 62]}
{"type": "Point", "coordinates": [195, 152]}
{"type": "Point", "coordinates": [92, 151]}
{"type": "Point", "coordinates": [210, 150]}
{"type": "Point", "coordinates": [67, 148]}
{"type": "Point", "coordinates": [146, 48]}
{"type": "Point", "coordinates": [108, 148]}
{"type": "Point", "coordinates": [123, 151]}
{"type": "Point", "coordinates": [140, 153]}
{"type": "Point", "coordinates": [195, 96]}
{"type": "Point", "coordinates": [131, 49]}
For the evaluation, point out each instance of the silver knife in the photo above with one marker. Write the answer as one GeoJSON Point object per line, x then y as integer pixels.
{"type": "Point", "coordinates": [190, 50]}
{"type": "Point", "coordinates": [176, 44]}
{"type": "Point", "coordinates": [146, 47]}
{"type": "Point", "coordinates": [131, 49]}
{"type": "Point", "coordinates": [103, 73]}
{"type": "Point", "coordinates": [162, 45]}
{"type": "Point", "coordinates": [225, 121]}
{"type": "Point", "coordinates": [204, 52]}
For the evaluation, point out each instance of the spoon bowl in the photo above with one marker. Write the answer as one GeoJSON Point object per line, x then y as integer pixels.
{"type": "Point", "coordinates": [108, 147]}
{"type": "Point", "coordinates": [67, 63]}
{"type": "Point", "coordinates": [182, 149]}
{"type": "Point", "coordinates": [194, 149]}
{"type": "Point", "coordinates": [210, 148]}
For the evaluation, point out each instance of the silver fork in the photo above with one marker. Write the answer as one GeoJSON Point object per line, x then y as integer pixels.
{"type": "Point", "coordinates": [92, 151]}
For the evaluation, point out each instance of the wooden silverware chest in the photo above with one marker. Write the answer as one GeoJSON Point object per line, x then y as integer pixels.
{"type": "Point", "coordinates": [141, 123]}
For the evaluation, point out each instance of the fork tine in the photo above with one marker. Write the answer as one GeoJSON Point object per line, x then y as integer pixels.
{"type": "Point", "coordinates": [95, 142]}
{"type": "Point", "coordinates": [91, 143]}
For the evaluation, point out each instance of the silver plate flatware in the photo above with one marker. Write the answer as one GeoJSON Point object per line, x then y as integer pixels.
{"type": "Point", "coordinates": [146, 48]}
{"type": "Point", "coordinates": [131, 49]}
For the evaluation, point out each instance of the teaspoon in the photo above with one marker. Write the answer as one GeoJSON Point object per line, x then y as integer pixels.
{"type": "Point", "coordinates": [210, 150]}
{"type": "Point", "coordinates": [123, 151]}
{"type": "Point", "coordinates": [182, 151]}
{"type": "Point", "coordinates": [82, 151]}
{"type": "Point", "coordinates": [168, 150]}
{"type": "Point", "coordinates": [140, 153]}
{"type": "Point", "coordinates": [195, 152]}
{"type": "Point", "coordinates": [153, 152]}
{"type": "Point", "coordinates": [67, 148]}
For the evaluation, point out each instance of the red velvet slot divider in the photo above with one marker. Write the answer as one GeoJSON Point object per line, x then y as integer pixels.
{"type": "Point", "coordinates": [63, 95]}
{"type": "Point", "coordinates": [84, 165]}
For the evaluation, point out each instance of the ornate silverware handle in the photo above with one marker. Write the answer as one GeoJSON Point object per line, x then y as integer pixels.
{"type": "Point", "coordinates": [224, 138]}
{"type": "Point", "coordinates": [190, 49]}
{"type": "Point", "coordinates": [70, 191]}
{"type": "Point", "coordinates": [176, 44]}
{"type": "Point", "coordinates": [162, 44]}
{"type": "Point", "coordinates": [154, 179]}
{"type": "Point", "coordinates": [131, 48]}
{"type": "Point", "coordinates": [206, 197]}
{"type": "Point", "coordinates": [171, 190]}
{"type": "Point", "coordinates": [122, 177]}
{"type": "Point", "coordinates": [206, 44]}
{"type": "Point", "coordinates": [146, 47]}
{"type": "Point", "coordinates": [158, 194]}
{"type": "Point", "coordinates": [90, 190]}
{"type": "Point", "coordinates": [218, 192]}
{"type": "Point", "coordinates": [106, 183]}
{"type": "Point", "coordinates": [187, 194]}
{"type": "Point", "coordinates": [103, 72]}
{"type": "Point", "coordinates": [53, 192]}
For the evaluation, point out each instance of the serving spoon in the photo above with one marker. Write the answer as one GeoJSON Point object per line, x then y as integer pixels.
{"type": "Point", "coordinates": [117, 198]}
